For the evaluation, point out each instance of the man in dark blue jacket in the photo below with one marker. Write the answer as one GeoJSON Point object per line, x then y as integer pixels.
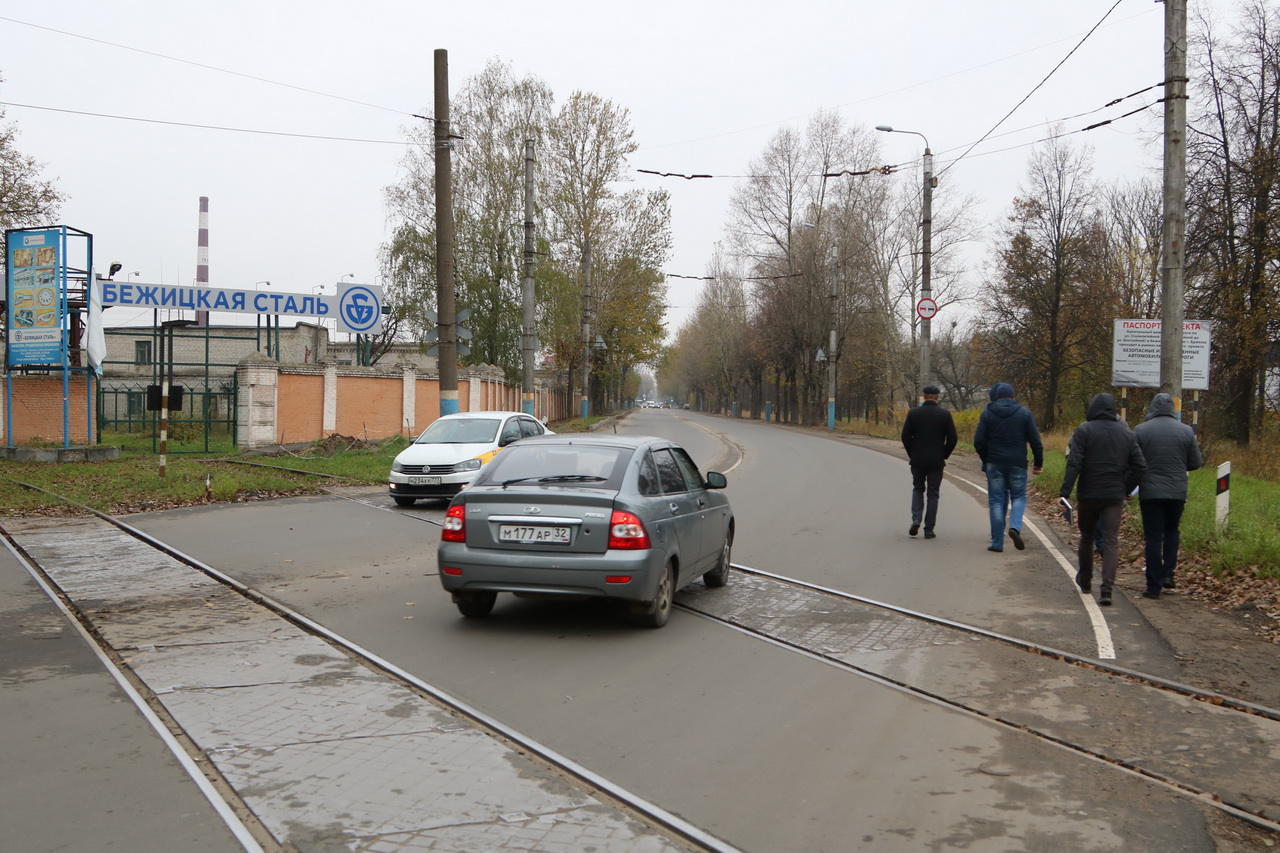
{"type": "Point", "coordinates": [1105, 458]}
{"type": "Point", "coordinates": [929, 435]}
{"type": "Point", "coordinates": [1170, 448]}
{"type": "Point", "coordinates": [1005, 429]}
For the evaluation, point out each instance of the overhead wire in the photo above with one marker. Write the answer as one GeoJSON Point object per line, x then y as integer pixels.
{"type": "Point", "coordinates": [896, 167]}
{"type": "Point", "coordinates": [213, 126]}
{"type": "Point", "coordinates": [205, 66]}
{"type": "Point", "coordinates": [1035, 88]}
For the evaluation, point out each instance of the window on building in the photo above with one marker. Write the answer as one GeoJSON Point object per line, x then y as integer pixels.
{"type": "Point", "coordinates": [142, 352]}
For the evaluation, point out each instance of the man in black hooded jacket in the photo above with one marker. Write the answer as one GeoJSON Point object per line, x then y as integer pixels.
{"type": "Point", "coordinates": [1104, 465]}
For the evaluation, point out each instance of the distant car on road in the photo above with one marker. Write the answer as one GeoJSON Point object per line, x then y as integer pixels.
{"type": "Point", "coordinates": [580, 516]}
{"type": "Point", "coordinates": [450, 452]}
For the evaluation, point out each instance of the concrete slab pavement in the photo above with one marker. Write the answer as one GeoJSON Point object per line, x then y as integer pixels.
{"type": "Point", "coordinates": [326, 752]}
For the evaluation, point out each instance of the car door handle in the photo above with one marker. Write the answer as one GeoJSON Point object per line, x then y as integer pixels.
{"type": "Point", "coordinates": [675, 508]}
{"type": "Point", "coordinates": [702, 504]}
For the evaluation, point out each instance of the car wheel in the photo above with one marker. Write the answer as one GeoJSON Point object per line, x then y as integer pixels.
{"type": "Point", "coordinates": [719, 576]}
{"type": "Point", "coordinates": [475, 605]}
{"type": "Point", "coordinates": [403, 501]}
{"type": "Point", "coordinates": [654, 614]}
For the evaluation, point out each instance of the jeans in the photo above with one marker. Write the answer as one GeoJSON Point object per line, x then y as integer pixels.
{"type": "Point", "coordinates": [1092, 514]}
{"type": "Point", "coordinates": [1160, 520]}
{"type": "Point", "coordinates": [925, 480]}
{"type": "Point", "coordinates": [1006, 495]}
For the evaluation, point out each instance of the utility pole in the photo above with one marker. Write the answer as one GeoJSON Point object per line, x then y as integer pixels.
{"type": "Point", "coordinates": [1173, 235]}
{"type": "Point", "coordinates": [585, 408]}
{"type": "Point", "coordinates": [831, 347]}
{"type": "Point", "coordinates": [926, 268]}
{"type": "Point", "coordinates": [527, 342]}
{"type": "Point", "coordinates": [926, 252]}
{"type": "Point", "coordinates": [445, 312]}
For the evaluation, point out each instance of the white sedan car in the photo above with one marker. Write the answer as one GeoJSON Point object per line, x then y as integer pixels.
{"type": "Point", "coordinates": [447, 456]}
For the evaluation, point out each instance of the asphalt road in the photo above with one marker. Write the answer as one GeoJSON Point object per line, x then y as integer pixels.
{"type": "Point", "coordinates": [765, 748]}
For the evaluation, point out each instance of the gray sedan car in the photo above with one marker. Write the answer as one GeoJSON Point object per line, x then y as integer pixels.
{"type": "Point", "coordinates": [578, 516]}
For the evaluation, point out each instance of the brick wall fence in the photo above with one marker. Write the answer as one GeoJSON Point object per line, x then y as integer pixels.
{"type": "Point", "coordinates": [285, 403]}
{"type": "Point", "coordinates": [38, 413]}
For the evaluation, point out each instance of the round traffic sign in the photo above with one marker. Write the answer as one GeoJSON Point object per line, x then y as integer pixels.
{"type": "Point", "coordinates": [926, 308]}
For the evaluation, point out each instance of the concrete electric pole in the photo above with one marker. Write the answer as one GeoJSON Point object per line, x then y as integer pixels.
{"type": "Point", "coordinates": [1173, 236]}
{"type": "Point", "coordinates": [445, 311]}
{"type": "Point", "coordinates": [528, 344]}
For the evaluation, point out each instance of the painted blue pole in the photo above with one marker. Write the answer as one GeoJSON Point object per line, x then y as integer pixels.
{"type": "Point", "coordinates": [831, 414]}
{"type": "Point", "coordinates": [768, 411]}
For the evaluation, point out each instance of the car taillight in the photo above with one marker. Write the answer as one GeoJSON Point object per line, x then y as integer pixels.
{"type": "Point", "coordinates": [626, 532]}
{"type": "Point", "coordinates": [455, 526]}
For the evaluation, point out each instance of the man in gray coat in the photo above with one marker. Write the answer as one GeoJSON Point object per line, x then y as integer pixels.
{"type": "Point", "coordinates": [1170, 449]}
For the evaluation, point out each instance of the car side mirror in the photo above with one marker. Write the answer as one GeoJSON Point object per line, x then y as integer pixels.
{"type": "Point", "coordinates": [716, 480]}
{"type": "Point", "coordinates": [507, 439]}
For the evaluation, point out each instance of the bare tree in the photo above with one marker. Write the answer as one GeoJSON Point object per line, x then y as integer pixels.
{"type": "Point", "coordinates": [1233, 210]}
{"type": "Point", "coordinates": [1048, 304]}
{"type": "Point", "coordinates": [26, 199]}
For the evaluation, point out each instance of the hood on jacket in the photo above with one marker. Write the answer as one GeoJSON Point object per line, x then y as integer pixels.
{"type": "Point", "coordinates": [1161, 406]}
{"type": "Point", "coordinates": [1004, 407]}
{"type": "Point", "coordinates": [1102, 406]}
{"type": "Point", "coordinates": [1001, 390]}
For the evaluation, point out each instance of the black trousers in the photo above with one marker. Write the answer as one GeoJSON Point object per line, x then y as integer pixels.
{"type": "Point", "coordinates": [1101, 515]}
{"type": "Point", "coordinates": [925, 483]}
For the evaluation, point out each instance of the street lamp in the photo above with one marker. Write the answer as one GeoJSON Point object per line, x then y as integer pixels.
{"type": "Point", "coordinates": [132, 274]}
{"type": "Point", "coordinates": [926, 251]}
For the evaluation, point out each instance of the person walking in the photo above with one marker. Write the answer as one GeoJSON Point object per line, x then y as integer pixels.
{"type": "Point", "coordinates": [929, 435]}
{"type": "Point", "coordinates": [1004, 432]}
{"type": "Point", "coordinates": [1170, 449]}
{"type": "Point", "coordinates": [1104, 457]}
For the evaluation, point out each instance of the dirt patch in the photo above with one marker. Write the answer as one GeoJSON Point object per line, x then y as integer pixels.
{"type": "Point", "coordinates": [335, 443]}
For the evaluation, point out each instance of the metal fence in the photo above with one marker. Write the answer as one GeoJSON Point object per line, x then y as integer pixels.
{"type": "Point", "coordinates": [206, 420]}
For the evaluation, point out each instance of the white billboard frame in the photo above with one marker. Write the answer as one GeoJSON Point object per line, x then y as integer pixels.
{"type": "Point", "coordinates": [1135, 354]}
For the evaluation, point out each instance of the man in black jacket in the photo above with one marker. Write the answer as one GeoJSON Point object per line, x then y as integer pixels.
{"type": "Point", "coordinates": [1105, 459]}
{"type": "Point", "coordinates": [929, 435]}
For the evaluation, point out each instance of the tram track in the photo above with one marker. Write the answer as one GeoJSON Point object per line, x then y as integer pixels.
{"type": "Point", "coordinates": [827, 609]}
{"type": "Point", "coordinates": [1251, 801]}
{"type": "Point", "coordinates": [680, 834]}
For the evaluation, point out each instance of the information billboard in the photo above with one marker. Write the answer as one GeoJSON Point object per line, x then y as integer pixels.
{"type": "Point", "coordinates": [1135, 354]}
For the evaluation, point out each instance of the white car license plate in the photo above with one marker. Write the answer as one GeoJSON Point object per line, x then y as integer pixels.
{"type": "Point", "coordinates": [424, 481]}
{"type": "Point", "coordinates": [533, 533]}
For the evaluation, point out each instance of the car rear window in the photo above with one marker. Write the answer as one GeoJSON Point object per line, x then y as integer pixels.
{"type": "Point", "coordinates": [532, 462]}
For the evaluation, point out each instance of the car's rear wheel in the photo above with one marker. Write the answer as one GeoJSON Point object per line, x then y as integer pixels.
{"type": "Point", "coordinates": [654, 614]}
{"type": "Point", "coordinates": [404, 501]}
{"type": "Point", "coordinates": [719, 576]}
{"type": "Point", "coordinates": [475, 605]}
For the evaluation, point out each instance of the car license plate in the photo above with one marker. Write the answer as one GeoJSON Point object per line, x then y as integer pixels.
{"type": "Point", "coordinates": [424, 481]}
{"type": "Point", "coordinates": [533, 533]}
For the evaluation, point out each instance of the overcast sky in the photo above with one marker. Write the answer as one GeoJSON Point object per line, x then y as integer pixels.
{"type": "Point", "coordinates": [707, 84]}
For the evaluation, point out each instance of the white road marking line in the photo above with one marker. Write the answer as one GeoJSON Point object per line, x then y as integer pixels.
{"type": "Point", "coordinates": [1101, 633]}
